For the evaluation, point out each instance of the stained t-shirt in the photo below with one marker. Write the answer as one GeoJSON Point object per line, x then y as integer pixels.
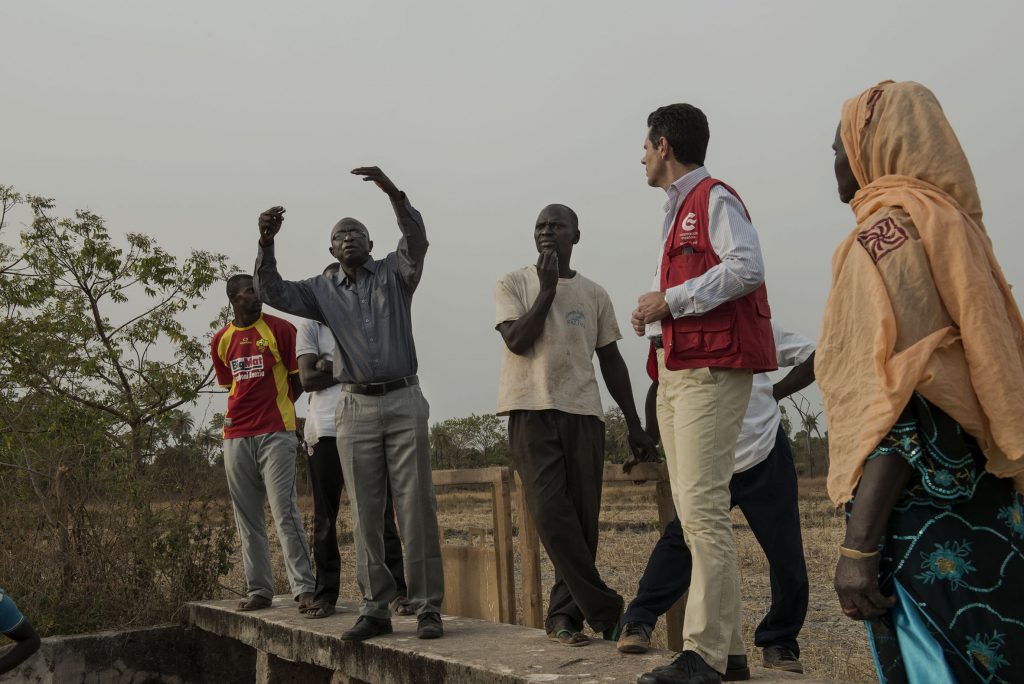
{"type": "Point", "coordinates": [255, 362]}
{"type": "Point", "coordinates": [557, 372]}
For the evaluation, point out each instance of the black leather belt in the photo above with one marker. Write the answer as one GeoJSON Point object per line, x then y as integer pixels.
{"type": "Point", "coordinates": [379, 388]}
{"type": "Point", "coordinates": [658, 342]}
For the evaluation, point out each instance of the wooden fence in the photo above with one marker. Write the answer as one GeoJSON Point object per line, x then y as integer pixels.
{"type": "Point", "coordinates": [472, 578]}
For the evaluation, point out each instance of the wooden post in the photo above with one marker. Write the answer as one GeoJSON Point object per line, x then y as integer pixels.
{"type": "Point", "coordinates": [674, 616]}
{"type": "Point", "coordinates": [529, 553]}
{"type": "Point", "coordinates": [503, 544]}
{"type": "Point", "coordinates": [498, 481]}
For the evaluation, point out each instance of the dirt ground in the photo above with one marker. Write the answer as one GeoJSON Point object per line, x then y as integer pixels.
{"type": "Point", "coordinates": [831, 645]}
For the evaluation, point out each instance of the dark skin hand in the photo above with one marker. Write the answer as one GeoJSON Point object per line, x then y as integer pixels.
{"type": "Point", "coordinates": [520, 334]}
{"type": "Point", "coordinates": [376, 176]}
{"type": "Point", "coordinates": [856, 580]}
{"type": "Point", "coordinates": [26, 643]}
{"type": "Point", "coordinates": [296, 385]}
{"type": "Point", "coordinates": [316, 374]}
{"type": "Point", "coordinates": [616, 378]}
{"type": "Point", "coordinates": [652, 429]}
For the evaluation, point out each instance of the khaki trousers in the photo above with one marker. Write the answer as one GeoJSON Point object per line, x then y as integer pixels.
{"type": "Point", "coordinates": [700, 413]}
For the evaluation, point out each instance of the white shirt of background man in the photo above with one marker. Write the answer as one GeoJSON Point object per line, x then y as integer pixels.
{"type": "Point", "coordinates": [316, 338]}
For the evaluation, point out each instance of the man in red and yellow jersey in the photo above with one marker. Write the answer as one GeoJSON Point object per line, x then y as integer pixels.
{"type": "Point", "coordinates": [254, 356]}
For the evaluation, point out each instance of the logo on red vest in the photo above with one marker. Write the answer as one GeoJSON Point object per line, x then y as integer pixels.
{"type": "Point", "coordinates": [688, 232]}
{"type": "Point", "coordinates": [883, 238]}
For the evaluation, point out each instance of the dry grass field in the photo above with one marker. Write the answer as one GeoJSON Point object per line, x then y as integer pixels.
{"type": "Point", "coordinates": [832, 645]}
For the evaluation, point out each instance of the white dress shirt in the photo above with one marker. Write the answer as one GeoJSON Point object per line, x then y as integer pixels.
{"type": "Point", "coordinates": [761, 422]}
{"type": "Point", "coordinates": [735, 242]}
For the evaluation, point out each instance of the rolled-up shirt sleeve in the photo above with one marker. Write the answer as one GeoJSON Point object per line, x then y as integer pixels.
{"type": "Point", "coordinates": [292, 297]}
{"type": "Point", "coordinates": [742, 269]}
{"type": "Point", "coordinates": [412, 247]}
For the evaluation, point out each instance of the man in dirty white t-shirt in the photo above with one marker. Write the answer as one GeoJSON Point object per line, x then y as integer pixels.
{"type": "Point", "coordinates": [552, 320]}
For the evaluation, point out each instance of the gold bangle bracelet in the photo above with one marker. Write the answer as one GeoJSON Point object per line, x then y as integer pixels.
{"type": "Point", "coordinates": [855, 554]}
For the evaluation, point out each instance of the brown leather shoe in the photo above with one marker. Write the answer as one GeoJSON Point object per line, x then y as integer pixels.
{"type": "Point", "coordinates": [635, 638]}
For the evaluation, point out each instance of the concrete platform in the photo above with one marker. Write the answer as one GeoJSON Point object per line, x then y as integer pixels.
{"type": "Point", "coordinates": [292, 648]}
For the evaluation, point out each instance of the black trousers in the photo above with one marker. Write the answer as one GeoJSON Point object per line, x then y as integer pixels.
{"type": "Point", "coordinates": [560, 458]}
{"type": "Point", "coordinates": [326, 480]}
{"type": "Point", "coordinates": [767, 495]}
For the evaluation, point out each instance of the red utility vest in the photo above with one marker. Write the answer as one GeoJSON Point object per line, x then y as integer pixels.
{"type": "Point", "coordinates": [736, 334]}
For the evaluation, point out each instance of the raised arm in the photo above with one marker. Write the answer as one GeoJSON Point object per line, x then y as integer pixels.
{"type": "Point", "coordinates": [412, 246]}
{"type": "Point", "coordinates": [521, 333]}
{"type": "Point", "coordinates": [292, 297]}
{"type": "Point", "coordinates": [616, 378]}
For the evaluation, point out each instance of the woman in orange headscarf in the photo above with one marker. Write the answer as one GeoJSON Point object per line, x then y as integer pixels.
{"type": "Point", "coordinates": [921, 366]}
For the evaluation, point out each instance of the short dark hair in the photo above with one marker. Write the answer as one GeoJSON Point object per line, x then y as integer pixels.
{"type": "Point", "coordinates": [234, 282]}
{"type": "Point", "coordinates": [568, 210]}
{"type": "Point", "coordinates": [686, 129]}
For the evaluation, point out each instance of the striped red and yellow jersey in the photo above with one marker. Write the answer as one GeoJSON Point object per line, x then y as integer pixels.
{"type": "Point", "coordinates": [255, 362]}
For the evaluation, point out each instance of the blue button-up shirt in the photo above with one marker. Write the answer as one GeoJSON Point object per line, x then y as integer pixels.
{"type": "Point", "coordinates": [371, 318]}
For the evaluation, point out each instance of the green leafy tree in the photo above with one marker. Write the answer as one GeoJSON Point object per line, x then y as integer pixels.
{"type": "Point", "coordinates": [96, 367]}
{"type": "Point", "coordinates": [471, 442]}
{"type": "Point", "coordinates": [96, 322]}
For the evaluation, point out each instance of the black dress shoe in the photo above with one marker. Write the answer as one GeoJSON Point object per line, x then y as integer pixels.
{"type": "Point", "coordinates": [367, 627]}
{"type": "Point", "coordinates": [687, 668]}
{"type": "Point", "coordinates": [428, 626]}
{"type": "Point", "coordinates": [737, 669]}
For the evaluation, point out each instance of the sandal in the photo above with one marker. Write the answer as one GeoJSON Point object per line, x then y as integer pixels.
{"type": "Point", "coordinates": [400, 606]}
{"type": "Point", "coordinates": [254, 602]}
{"type": "Point", "coordinates": [569, 638]}
{"type": "Point", "coordinates": [305, 600]}
{"type": "Point", "coordinates": [319, 610]}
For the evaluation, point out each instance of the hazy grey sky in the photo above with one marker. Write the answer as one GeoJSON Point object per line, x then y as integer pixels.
{"type": "Point", "coordinates": [185, 120]}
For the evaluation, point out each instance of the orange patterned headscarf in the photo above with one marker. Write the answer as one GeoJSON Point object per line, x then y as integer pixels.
{"type": "Point", "coordinates": [953, 332]}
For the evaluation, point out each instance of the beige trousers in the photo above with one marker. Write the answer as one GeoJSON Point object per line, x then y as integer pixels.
{"type": "Point", "coordinates": [700, 412]}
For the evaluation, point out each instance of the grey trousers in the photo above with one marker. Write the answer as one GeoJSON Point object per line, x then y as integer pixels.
{"type": "Point", "coordinates": [384, 439]}
{"type": "Point", "coordinates": [261, 468]}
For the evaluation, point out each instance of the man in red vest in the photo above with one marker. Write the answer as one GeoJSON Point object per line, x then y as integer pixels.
{"type": "Point", "coordinates": [709, 324]}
